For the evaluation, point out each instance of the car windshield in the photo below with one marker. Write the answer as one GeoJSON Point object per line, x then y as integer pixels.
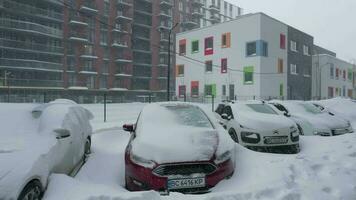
{"type": "Point", "coordinates": [190, 116]}
{"type": "Point", "coordinates": [310, 108]}
{"type": "Point", "coordinates": [261, 108]}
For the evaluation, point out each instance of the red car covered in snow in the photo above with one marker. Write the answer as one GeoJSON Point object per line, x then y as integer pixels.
{"type": "Point", "coordinates": [177, 147]}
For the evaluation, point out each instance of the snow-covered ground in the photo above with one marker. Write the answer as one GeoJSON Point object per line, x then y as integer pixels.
{"type": "Point", "coordinates": [324, 169]}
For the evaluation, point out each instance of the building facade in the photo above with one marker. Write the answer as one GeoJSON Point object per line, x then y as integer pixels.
{"type": "Point", "coordinates": [244, 58]}
{"type": "Point", "coordinates": [300, 47]}
{"type": "Point", "coordinates": [83, 49]}
{"type": "Point", "coordinates": [332, 77]}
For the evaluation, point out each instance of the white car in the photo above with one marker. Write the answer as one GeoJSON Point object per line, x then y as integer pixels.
{"type": "Point", "coordinates": [36, 141]}
{"type": "Point", "coordinates": [341, 107]}
{"type": "Point", "coordinates": [257, 126]}
{"type": "Point", "coordinates": [323, 123]}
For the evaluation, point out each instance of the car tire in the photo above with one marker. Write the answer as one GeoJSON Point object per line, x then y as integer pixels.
{"type": "Point", "coordinates": [87, 149]}
{"type": "Point", "coordinates": [32, 191]}
{"type": "Point", "coordinates": [233, 135]}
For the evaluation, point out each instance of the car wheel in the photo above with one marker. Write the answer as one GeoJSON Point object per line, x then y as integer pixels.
{"type": "Point", "coordinates": [32, 191]}
{"type": "Point", "coordinates": [233, 135]}
{"type": "Point", "coordinates": [87, 149]}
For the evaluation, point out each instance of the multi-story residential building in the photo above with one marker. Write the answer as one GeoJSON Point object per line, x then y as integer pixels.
{"type": "Point", "coordinates": [201, 13]}
{"type": "Point", "coordinates": [242, 58]}
{"type": "Point", "coordinates": [253, 56]}
{"type": "Point", "coordinates": [334, 77]}
{"type": "Point", "coordinates": [300, 47]}
{"type": "Point", "coordinates": [87, 48]}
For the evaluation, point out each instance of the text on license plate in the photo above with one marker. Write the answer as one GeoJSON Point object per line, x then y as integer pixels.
{"type": "Point", "coordinates": [186, 183]}
{"type": "Point", "coordinates": [276, 140]}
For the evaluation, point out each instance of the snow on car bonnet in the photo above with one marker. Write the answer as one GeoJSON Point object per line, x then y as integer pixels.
{"type": "Point", "coordinates": [174, 133]}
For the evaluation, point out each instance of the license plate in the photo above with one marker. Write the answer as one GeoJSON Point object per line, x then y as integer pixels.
{"type": "Point", "coordinates": [276, 140]}
{"type": "Point", "coordinates": [186, 183]}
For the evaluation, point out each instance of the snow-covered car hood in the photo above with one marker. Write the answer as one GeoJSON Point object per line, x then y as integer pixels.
{"type": "Point", "coordinates": [260, 121]}
{"type": "Point", "coordinates": [162, 140]}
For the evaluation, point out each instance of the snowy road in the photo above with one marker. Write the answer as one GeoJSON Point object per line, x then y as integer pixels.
{"type": "Point", "coordinates": [325, 169]}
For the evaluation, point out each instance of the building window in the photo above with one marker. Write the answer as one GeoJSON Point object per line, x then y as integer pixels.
{"type": "Point", "coordinates": [257, 48]}
{"type": "Point", "coordinates": [349, 93]}
{"type": "Point", "coordinates": [280, 66]}
{"type": "Point", "coordinates": [349, 75]}
{"type": "Point", "coordinates": [209, 66]}
{"type": "Point", "coordinates": [332, 72]}
{"type": "Point", "coordinates": [251, 49]}
{"type": "Point", "coordinates": [337, 92]}
{"type": "Point", "coordinates": [282, 42]}
{"type": "Point", "coordinates": [344, 75]}
{"type": "Point", "coordinates": [344, 91]}
{"type": "Point", "coordinates": [330, 92]}
{"type": "Point", "coordinates": [306, 50]}
{"type": "Point", "coordinates": [181, 90]}
{"type": "Point", "coordinates": [194, 90]}
{"type": "Point", "coordinates": [293, 46]}
{"type": "Point", "coordinates": [293, 69]}
{"type": "Point", "coordinates": [210, 90]}
{"type": "Point", "coordinates": [224, 65]}
{"type": "Point", "coordinates": [337, 73]}
{"type": "Point", "coordinates": [281, 90]}
{"type": "Point", "coordinates": [195, 46]}
{"type": "Point", "coordinates": [182, 47]}
{"type": "Point", "coordinates": [180, 70]}
{"type": "Point", "coordinates": [248, 75]}
{"type": "Point", "coordinates": [209, 46]}
{"type": "Point", "coordinates": [224, 90]}
{"type": "Point", "coordinates": [226, 40]}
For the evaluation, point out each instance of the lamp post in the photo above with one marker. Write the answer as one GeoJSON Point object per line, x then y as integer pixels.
{"type": "Point", "coordinates": [169, 62]}
{"type": "Point", "coordinates": [7, 84]}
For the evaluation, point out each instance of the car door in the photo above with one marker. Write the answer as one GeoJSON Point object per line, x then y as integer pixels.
{"type": "Point", "coordinates": [62, 156]}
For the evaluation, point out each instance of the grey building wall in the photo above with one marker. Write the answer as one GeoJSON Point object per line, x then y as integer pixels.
{"type": "Point", "coordinates": [321, 50]}
{"type": "Point", "coordinates": [300, 84]}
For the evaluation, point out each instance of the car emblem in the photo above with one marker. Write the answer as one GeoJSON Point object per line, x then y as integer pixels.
{"type": "Point", "coordinates": [275, 132]}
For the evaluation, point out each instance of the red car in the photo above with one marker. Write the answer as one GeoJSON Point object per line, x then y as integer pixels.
{"type": "Point", "coordinates": [177, 147]}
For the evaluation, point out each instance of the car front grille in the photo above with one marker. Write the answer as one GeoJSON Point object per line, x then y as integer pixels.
{"type": "Point", "coordinates": [184, 169]}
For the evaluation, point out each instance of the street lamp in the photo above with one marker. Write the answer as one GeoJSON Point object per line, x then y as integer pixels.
{"type": "Point", "coordinates": [169, 61]}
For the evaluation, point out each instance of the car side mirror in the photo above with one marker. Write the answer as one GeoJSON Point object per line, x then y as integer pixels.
{"type": "Point", "coordinates": [128, 127]}
{"type": "Point", "coordinates": [332, 114]}
{"type": "Point", "coordinates": [225, 116]}
{"type": "Point", "coordinates": [286, 114]}
{"type": "Point", "coordinates": [62, 133]}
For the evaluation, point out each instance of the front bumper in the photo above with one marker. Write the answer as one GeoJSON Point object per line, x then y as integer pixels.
{"type": "Point", "coordinates": [139, 178]}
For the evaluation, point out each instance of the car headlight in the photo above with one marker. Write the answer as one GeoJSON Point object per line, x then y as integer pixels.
{"type": "Point", "coordinates": [294, 131]}
{"type": "Point", "coordinates": [141, 161]}
{"type": "Point", "coordinates": [250, 137]}
{"type": "Point", "coordinates": [223, 157]}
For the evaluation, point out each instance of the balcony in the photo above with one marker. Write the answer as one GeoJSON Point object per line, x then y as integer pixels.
{"type": "Point", "coordinates": [124, 4]}
{"type": "Point", "coordinates": [76, 37]}
{"type": "Point", "coordinates": [214, 19]}
{"type": "Point", "coordinates": [121, 16]}
{"type": "Point", "coordinates": [191, 23]}
{"type": "Point", "coordinates": [30, 65]}
{"type": "Point", "coordinates": [88, 7]}
{"type": "Point", "coordinates": [163, 14]}
{"type": "Point", "coordinates": [35, 83]}
{"type": "Point", "coordinates": [30, 10]}
{"type": "Point", "coordinates": [88, 70]}
{"type": "Point", "coordinates": [25, 46]}
{"type": "Point", "coordinates": [214, 9]}
{"type": "Point", "coordinates": [166, 3]}
{"type": "Point", "coordinates": [164, 27]}
{"type": "Point", "coordinates": [143, 13]}
{"type": "Point", "coordinates": [144, 51]}
{"type": "Point", "coordinates": [123, 60]}
{"type": "Point", "coordinates": [119, 44]}
{"type": "Point", "coordinates": [77, 21]}
{"type": "Point", "coordinates": [123, 74]}
{"type": "Point", "coordinates": [30, 27]}
{"type": "Point", "coordinates": [88, 55]}
{"type": "Point", "coordinates": [197, 3]}
{"type": "Point", "coordinates": [142, 25]}
{"type": "Point", "coordinates": [197, 14]}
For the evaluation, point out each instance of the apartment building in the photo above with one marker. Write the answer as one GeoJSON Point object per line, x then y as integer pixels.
{"type": "Point", "coordinates": [83, 49]}
{"type": "Point", "coordinates": [333, 77]}
{"type": "Point", "coordinates": [251, 57]}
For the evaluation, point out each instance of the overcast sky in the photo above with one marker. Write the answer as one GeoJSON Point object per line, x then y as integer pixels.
{"type": "Point", "coordinates": [331, 22]}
